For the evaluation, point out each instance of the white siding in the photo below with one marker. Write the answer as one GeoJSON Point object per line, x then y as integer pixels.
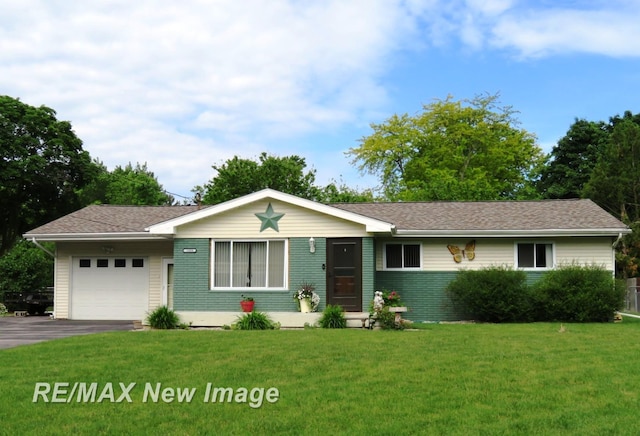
{"type": "Point", "coordinates": [296, 222]}
{"type": "Point", "coordinates": [501, 252]}
{"type": "Point", "coordinates": [597, 251]}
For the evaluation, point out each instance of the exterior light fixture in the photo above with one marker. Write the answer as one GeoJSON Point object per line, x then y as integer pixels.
{"type": "Point", "coordinates": [312, 245]}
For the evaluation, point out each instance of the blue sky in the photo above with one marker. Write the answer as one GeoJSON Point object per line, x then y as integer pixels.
{"type": "Point", "coordinates": [183, 86]}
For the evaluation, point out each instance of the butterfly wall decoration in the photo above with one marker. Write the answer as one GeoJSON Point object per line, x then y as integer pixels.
{"type": "Point", "coordinates": [469, 251]}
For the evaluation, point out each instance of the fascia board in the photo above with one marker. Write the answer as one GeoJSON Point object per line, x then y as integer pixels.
{"type": "Point", "coordinates": [544, 233]}
{"type": "Point", "coordinates": [64, 237]}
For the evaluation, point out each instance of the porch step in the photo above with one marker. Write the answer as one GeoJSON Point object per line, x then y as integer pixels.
{"type": "Point", "coordinates": [286, 319]}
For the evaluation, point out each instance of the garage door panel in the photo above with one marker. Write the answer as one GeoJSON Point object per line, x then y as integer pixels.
{"type": "Point", "coordinates": [110, 288]}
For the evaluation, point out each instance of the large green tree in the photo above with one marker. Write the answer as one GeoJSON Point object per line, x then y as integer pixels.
{"type": "Point", "coordinates": [237, 177]}
{"type": "Point", "coordinates": [614, 184]}
{"type": "Point", "coordinates": [128, 185]}
{"type": "Point", "coordinates": [615, 180]}
{"type": "Point", "coordinates": [26, 268]}
{"type": "Point", "coordinates": [572, 160]}
{"type": "Point", "coordinates": [42, 167]}
{"type": "Point", "coordinates": [452, 150]}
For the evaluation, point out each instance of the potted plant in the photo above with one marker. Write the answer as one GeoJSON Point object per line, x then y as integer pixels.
{"type": "Point", "coordinates": [306, 298]}
{"type": "Point", "coordinates": [247, 304]}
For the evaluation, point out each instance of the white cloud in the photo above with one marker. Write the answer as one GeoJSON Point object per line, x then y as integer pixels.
{"type": "Point", "coordinates": [185, 85]}
{"type": "Point", "coordinates": [610, 32]}
{"type": "Point", "coordinates": [198, 81]}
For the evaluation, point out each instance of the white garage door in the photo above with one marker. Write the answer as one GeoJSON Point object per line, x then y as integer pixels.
{"type": "Point", "coordinates": [109, 288]}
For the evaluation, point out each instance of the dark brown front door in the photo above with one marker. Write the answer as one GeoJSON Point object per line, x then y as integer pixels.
{"type": "Point", "coordinates": [344, 273]}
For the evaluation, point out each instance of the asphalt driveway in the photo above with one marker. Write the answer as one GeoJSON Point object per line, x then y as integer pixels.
{"type": "Point", "coordinates": [19, 330]}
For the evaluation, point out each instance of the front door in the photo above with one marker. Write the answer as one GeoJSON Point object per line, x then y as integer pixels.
{"type": "Point", "coordinates": [344, 273]}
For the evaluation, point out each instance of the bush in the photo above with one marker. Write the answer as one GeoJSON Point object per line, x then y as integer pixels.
{"type": "Point", "coordinates": [387, 320]}
{"type": "Point", "coordinates": [163, 318]}
{"type": "Point", "coordinates": [579, 294]}
{"type": "Point", "coordinates": [3, 309]}
{"type": "Point", "coordinates": [333, 318]}
{"type": "Point", "coordinates": [493, 294]}
{"type": "Point", "coordinates": [254, 321]}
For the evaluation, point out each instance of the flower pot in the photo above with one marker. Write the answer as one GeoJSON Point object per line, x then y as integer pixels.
{"type": "Point", "coordinates": [247, 306]}
{"type": "Point", "coordinates": [305, 305]}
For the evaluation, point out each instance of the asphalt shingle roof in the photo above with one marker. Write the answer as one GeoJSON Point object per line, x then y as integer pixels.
{"type": "Point", "coordinates": [419, 216]}
{"type": "Point", "coordinates": [489, 215]}
{"type": "Point", "coordinates": [111, 219]}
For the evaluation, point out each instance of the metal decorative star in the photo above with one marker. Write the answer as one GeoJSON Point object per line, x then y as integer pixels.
{"type": "Point", "coordinates": [269, 219]}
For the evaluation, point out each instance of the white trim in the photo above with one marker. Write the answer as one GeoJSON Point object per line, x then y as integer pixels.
{"type": "Point", "coordinates": [535, 268]}
{"type": "Point", "coordinates": [402, 244]}
{"type": "Point", "coordinates": [245, 288]}
{"type": "Point", "coordinates": [169, 227]}
{"type": "Point", "coordinates": [543, 233]}
{"type": "Point", "coordinates": [64, 237]}
{"type": "Point", "coordinates": [166, 261]}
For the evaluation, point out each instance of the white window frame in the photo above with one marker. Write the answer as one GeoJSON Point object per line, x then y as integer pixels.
{"type": "Point", "coordinates": [245, 288]}
{"type": "Point", "coordinates": [402, 268]}
{"type": "Point", "coordinates": [551, 263]}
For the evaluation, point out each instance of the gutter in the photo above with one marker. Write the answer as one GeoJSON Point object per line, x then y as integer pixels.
{"type": "Point", "coordinates": [68, 237]}
{"type": "Point", "coordinates": [546, 233]}
{"type": "Point", "coordinates": [37, 244]}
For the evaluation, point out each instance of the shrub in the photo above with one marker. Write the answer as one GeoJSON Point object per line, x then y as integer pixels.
{"type": "Point", "coordinates": [163, 318]}
{"type": "Point", "coordinates": [578, 293]}
{"type": "Point", "coordinates": [333, 318]}
{"type": "Point", "coordinates": [3, 309]}
{"type": "Point", "coordinates": [254, 321]}
{"type": "Point", "coordinates": [493, 294]}
{"type": "Point", "coordinates": [387, 320]}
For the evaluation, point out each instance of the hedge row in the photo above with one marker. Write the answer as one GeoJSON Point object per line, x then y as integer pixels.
{"type": "Point", "coordinates": [574, 293]}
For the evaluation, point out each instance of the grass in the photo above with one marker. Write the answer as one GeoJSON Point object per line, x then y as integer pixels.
{"type": "Point", "coordinates": [443, 379]}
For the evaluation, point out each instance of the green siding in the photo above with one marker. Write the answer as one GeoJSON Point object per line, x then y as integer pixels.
{"type": "Point", "coordinates": [191, 275]}
{"type": "Point", "coordinates": [305, 267]}
{"type": "Point", "coordinates": [424, 292]}
{"type": "Point", "coordinates": [192, 279]}
{"type": "Point", "coordinates": [368, 272]}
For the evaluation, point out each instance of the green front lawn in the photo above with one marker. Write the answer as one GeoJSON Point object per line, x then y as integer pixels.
{"type": "Point", "coordinates": [444, 379]}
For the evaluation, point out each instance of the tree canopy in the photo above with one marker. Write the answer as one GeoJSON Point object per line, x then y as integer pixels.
{"type": "Point", "coordinates": [452, 150]}
{"type": "Point", "coordinates": [572, 160]}
{"type": "Point", "coordinates": [127, 185]}
{"type": "Point", "coordinates": [25, 268]}
{"type": "Point", "coordinates": [42, 167]}
{"type": "Point", "coordinates": [237, 177]}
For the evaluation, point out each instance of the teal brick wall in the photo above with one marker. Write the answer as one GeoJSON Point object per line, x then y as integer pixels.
{"type": "Point", "coordinates": [305, 267]}
{"type": "Point", "coordinates": [368, 272]}
{"type": "Point", "coordinates": [191, 275]}
{"type": "Point", "coordinates": [192, 279]}
{"type": "Point", "coordinates": [424, 292]}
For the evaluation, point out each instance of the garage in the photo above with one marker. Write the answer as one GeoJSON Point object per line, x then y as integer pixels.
{"type": "Point", "coordinates": [109, 288]}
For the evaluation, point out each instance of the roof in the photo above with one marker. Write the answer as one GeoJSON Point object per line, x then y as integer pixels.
{"type": "Point", "coordinates": [417, 219]}
{"type": "Point", "coordinates": [542, 217]}
{"type": "Point", "coordinates": [107, 220]}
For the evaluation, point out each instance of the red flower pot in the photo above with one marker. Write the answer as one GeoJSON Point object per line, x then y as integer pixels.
{"type": "Point", "coordinates": [247, 306]}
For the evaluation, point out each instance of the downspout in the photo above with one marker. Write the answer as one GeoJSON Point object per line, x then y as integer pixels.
{"type": "Point", "coordinates": [617, 240]}
{"type": "Point", "coordinates": [42, 248]}
{"type": "Point", "coordinates": [613, 254]}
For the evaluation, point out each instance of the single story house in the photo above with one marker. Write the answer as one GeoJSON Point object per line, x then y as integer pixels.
{"type": "Point", "coordinates": [121, 262]}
